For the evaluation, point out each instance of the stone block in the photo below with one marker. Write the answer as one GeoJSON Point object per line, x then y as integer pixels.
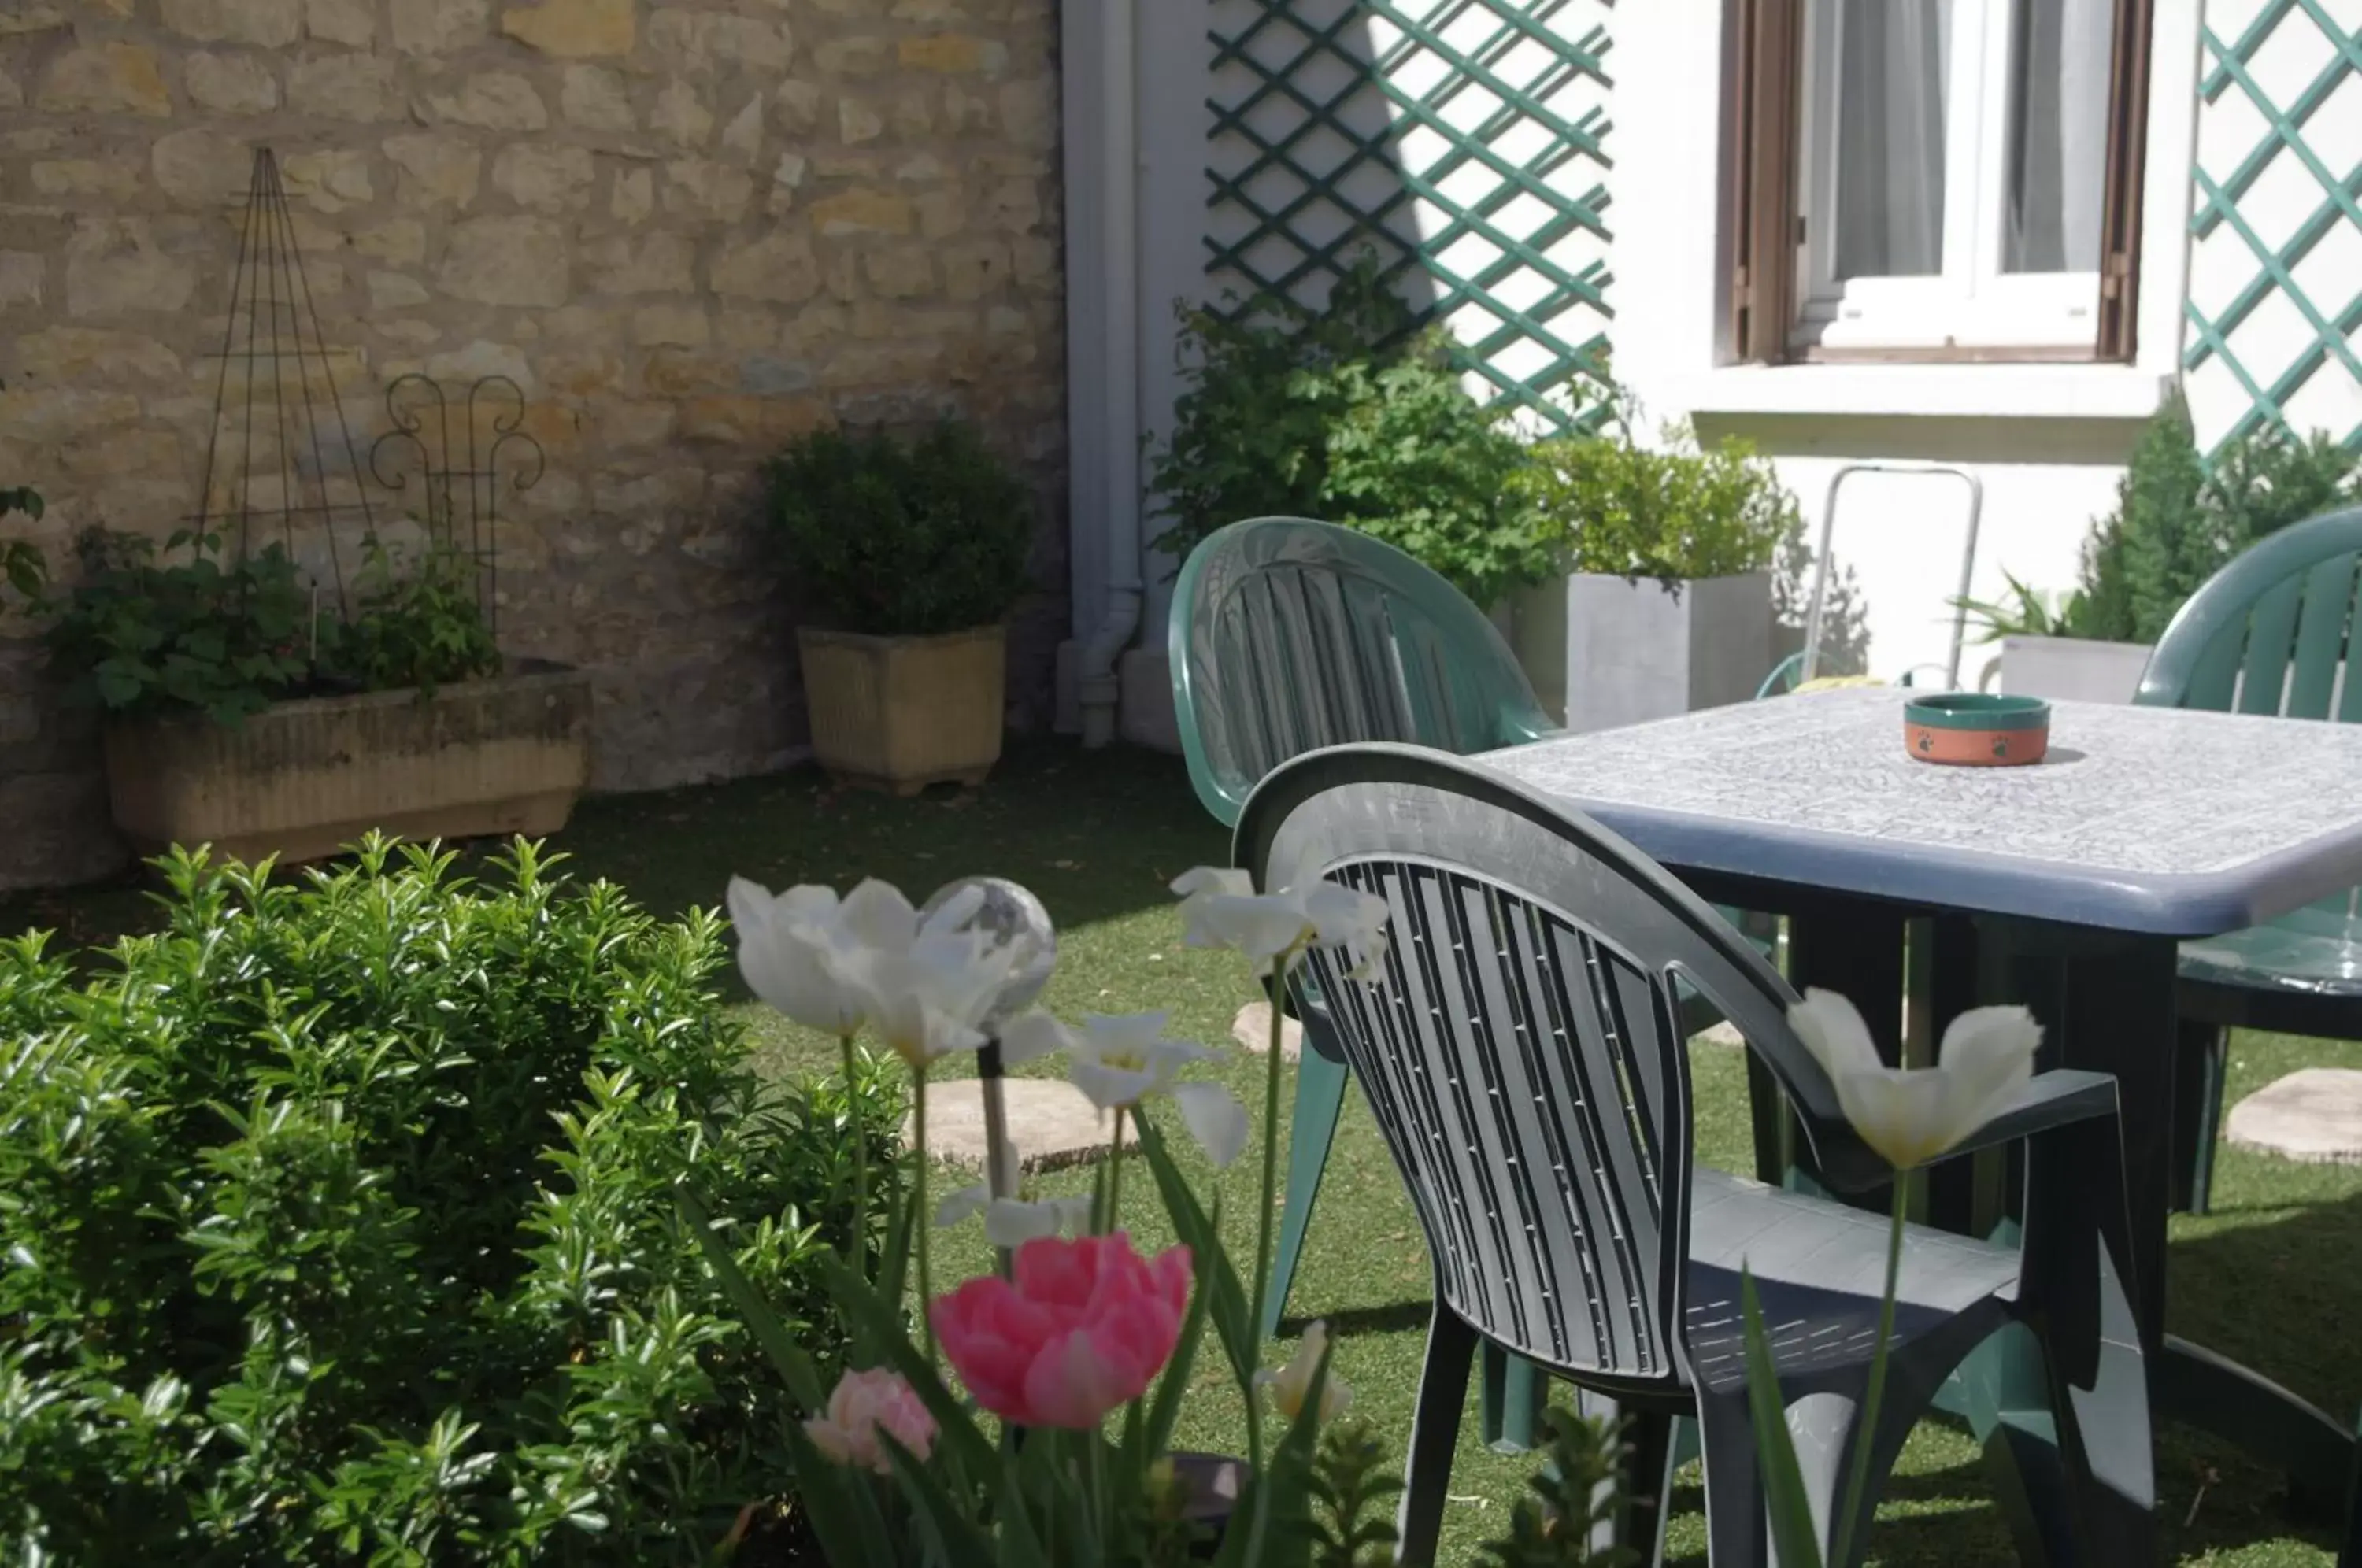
{"type": "Point", "coordinates": [659, 263]}
{"type": "Point", "coordinates": [953, 54]}
{"type": "Point", "coordinates": [395, 290]}
{"type": "Point", "coordinates": [859, 56]}
{"type": "Point", "coordinates": [85, 177]}
{"type": "Point", "coordinates": [635, 195]}
{"type": "Point", "coordinates": [202, 167]}
{"type": "Point", "coordinates": [439, 26]}
{"type": "Point", "coordinates": [863, 212]}
{"type": "Point", "coordinates": [71, 354]}
{"type": "Point", "coordinates": [582, 374]}
{"type": "Point", "coordinates": [402, 242]}
{"type": "Point", "coordinates": [700, 188]}
{"type": "Point", "coordinates": [904, 272]}
{"type": "Point", "coordinates": [673, 372]}
{"type": "Point", "coordinates": [349, 22]}
{"type": "Point", "coordinates": [781, 267]}
{"type": "Point", "coordinates": [11, 95]}
{"type": "Point", "coordinates": [507, 262]}
{"type": "Point", "coordinates": [231, 83]}
{"type": "Point", "coordinates": [346, 87]}
{"type": "Point", "coordinates": [2313, 1116]}
{"type": "Point", "coordinates": [329, 182]}
{"type": "Point", "coordinates": [974, 268]}
{"type": "Point", "coordinates": [708, 41]}
{"type": "Point", "coordinates": [20, 278]}
{"type": "Point", "coordinates": [575, 30]}
{"type": "Point", "coordinates": [743, 137]}
{"type": "Point", "coordinates": [434, 169]}
{"type": "Point", "coordinates": [544, 178]}
{"type": "Point", "coordinates": [116, 266]}
{"type": "Point", "coordinates": [858, 122]}
{"type": "Point", "coordinates": [496, 100]}
{"type": "Point", "coordinates": [597, 98]}
{"type": "Point", "coordinates": [678, 325]}
{"type": "Point", "coordinates": [683, 116]}
{"type": "Point", "coordinates": [271, 23]}
{"type": "Point", "coordinates": [796, 105]}
{"type": "Point", "coordinates": [105, 79]}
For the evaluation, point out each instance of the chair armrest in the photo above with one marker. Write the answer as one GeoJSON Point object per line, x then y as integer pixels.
{"type": "Point", "coordinates": [2047, 1101]}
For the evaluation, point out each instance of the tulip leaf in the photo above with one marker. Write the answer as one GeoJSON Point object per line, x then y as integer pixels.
{"type": "Point", "coordinates": [1216, 1277]}
{"type": "Point", "coordinates": [1164, 1410]}
{"type": "Point", "coordinates": [954, 1536]}
{"type": "Point", "coordinates": [959, 1440]}
{"type": "Point", "coordinates": [795, 1368]}
{"type": "Point", "coordinates": [841, 1503]}
{"type": "Point", "coordinates": [1783, 1484]}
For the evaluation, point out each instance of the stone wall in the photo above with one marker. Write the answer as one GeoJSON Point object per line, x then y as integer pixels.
{"type": "Point", "coordinates": [688, 229]}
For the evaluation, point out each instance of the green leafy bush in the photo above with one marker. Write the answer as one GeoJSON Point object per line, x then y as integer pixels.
{"type": "Point", "coordinates": [422, 627]}
{"type": "Point", "coordinates": [339, 1228]}
{"type": "Point", "coordinates": [1674, 513]}
{"type": "Point", "coordinates": [229, 637]}
{"type": "Point", "coordinates": [1353, 415]}
{"type": "Point", "coordinates": [2179, 519]}
{"type": "Point", "coordinates": [909, 538]}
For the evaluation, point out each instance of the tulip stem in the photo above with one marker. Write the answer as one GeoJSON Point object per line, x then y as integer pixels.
{"type": "Point", "coordinates": [1278, 989]}
{"type": "Point", "coordinates": [1865, 1436]}
{"type": "Point", "coordinates": [1115, 1178]}
{"type": "Point", "coordinates": [857, 1109]}
{"type": "Point", "coordinates": [922, 1221]}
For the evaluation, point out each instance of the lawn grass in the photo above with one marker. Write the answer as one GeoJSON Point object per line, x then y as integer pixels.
{"type": "Point", "coordinates": [2268, 1279]}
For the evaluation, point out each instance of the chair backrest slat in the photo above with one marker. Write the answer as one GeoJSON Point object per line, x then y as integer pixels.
{"type": "Point", "coordinates": [2271, 640]}
{"type": "Point", "coordinates": [1522, 1052]}
{"type": "Point", "coordinates": [2272, 631]}
{"type": "Point", "coordinates": [1288, 634]}
{"type": "Point", "coordinates": [2320, 633]}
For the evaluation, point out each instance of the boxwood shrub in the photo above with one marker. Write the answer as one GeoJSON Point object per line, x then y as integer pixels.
{"type": "Point", "coordinates": [335, 1226]}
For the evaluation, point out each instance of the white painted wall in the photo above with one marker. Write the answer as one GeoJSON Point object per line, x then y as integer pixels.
{"type": "Point", "coordinates": [2048, 441]}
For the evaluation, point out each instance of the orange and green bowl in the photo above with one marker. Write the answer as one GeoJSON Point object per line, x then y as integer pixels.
{"type": "Point", "coordinates": [1977, 729]}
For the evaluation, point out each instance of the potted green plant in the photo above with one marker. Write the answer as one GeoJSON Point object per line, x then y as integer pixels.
{"type": "Point", "coordinates": [245, 711]}
{"type": "Point", "coordinates": [911, 552]}
{"type": "Point", "coordinates": [1665, 603]}
{"type": "Point", "coordinates": [2179, 520]}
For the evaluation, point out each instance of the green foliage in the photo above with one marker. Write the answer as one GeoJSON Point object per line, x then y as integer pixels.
{"type": "Point", "coordinates": [1354, 1524]}
{"type": "Point", "coordinates": [1578, 1490]}
{"type": "Point", "coordinates": [2027, 612]}
{"type": "Point", "coordinates": [903, 538]}
{"type": "Point", "coordinates": [422, 627]}
{"type": "Point", "coordinates": [138, 636]}
{"type": "Point", "coordinates": [337, 1227]}
{"type": "Point", "coordinates": [2179, 520]}
{"type": "Point", "coordinates": [1675, 513]}
{"type": "Point", "coordinates": [1353, 415]}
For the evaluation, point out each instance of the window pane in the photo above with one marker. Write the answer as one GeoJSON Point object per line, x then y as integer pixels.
{"type": "Point", "coordinates": [1891, 82]}
{"type": "Point", "coordinates": [2058, 136]}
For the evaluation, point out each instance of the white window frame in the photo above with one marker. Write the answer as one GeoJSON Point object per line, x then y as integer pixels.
{"type": "Point", "coordinates": [1972, 303]}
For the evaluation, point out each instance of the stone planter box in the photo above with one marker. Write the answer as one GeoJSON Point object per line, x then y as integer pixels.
{"type": "Point", "coordinates": [904, 712]}
{"type": "Point", "coordinates": [303, 779]}
{"type": "Point", "coordinates": [1603, 651]}
{"type": "Point", "coordinates": [2074, 668]}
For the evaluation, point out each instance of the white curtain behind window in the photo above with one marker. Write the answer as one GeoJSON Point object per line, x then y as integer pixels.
{"type": "Point", "coordinates": [2058, 143]}
{"type": "Point", "coordinates": [1891, 76]}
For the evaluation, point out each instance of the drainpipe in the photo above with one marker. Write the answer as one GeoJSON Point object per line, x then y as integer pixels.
{"type": "Point", "coordinates": [1110, 349]}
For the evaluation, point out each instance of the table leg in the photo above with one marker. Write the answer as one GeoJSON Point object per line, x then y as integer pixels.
{"type": "Point", "coordinates": [1856, 951]}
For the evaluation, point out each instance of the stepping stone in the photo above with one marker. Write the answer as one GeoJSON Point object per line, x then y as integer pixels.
{"type": "Point", "coordinates": [1251, 1029]}
{"type": "Point", "coordinates": [1052, 1122]}
{"type": "Point", "coordinates": [2315, 1116]}
{"type": "Point", "coordinates": [1723, 1033]}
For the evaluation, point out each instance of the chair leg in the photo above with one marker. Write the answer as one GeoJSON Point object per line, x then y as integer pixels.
{"type": "Point", "coordinates": [1434, 1434]}
{"type": "Point", "coordinates": [1510, 1399]}
{"type": "Point", "coordinates": [2199, 1052]}
{"type": "Point", "coordinates": [2350, 1555]}
{"type": "Point", "coordinates": [1737, 1534]}
{"type": "Point", "coordinates": [1320, 1096]}
{"type": "Point", "coordinates": [1648, 1469]}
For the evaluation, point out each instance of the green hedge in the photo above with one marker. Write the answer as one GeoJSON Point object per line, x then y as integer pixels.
{"type": "Point", "coordinates": [335, 1226]}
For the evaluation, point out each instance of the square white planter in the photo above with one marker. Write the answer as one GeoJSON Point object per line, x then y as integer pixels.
{"type": "Point", "coordinates": [2074, 669]}
{"type": "Point", "coordinates": [1602, 651]}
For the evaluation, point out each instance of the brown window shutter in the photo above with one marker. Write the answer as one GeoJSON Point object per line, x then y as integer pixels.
{"type": "Point", "coordinates": [2120, 217]}
{"type": "Point", "coordinates": [1761, 161]}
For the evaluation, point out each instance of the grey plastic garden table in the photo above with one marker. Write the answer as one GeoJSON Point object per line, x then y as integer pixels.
{"type": "Point", "coordinates": [2066, 886]}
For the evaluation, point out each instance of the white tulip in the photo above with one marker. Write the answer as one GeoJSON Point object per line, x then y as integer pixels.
{"type": "Point", "coordinates": [1214, 1119]}
{"type": "Point", "coordinates": [1010, 1223]}
{"type": "Point", "coordinates": [929, 998]}
{"type": "Point", "coordinates": [1119, 1062]}
{"type": "Point", "coordinates": [790, 949]}
{"type": "Point", "coordinates": [1291, 1384]}
{"type": "Point", "coordinates": [1911, 1116]}
{"type": "Point", "coordinates": [1221, 909]}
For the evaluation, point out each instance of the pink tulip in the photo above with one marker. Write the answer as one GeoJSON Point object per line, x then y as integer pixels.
{"type": "Point", "coordinates": [1085, 1326]}
{"type": "Point", "coordinates": [864, 1404]}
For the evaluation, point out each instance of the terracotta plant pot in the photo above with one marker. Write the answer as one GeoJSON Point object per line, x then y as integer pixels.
{"type": "Point", "coordinates": [901, 714]}
{"type": "Point", "coordinates": [1976, 729]}
{"type": "Point", "coordinates": [303, 779]}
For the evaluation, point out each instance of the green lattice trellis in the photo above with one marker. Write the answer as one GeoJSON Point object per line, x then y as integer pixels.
{"type": "Point", "coordinates": [2219, 205]}
{"type": "Point", "coordinates": [1281, 48]}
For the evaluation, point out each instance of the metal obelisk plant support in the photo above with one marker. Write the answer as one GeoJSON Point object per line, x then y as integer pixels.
{"type": "Point", "coordinates": [269, 419]}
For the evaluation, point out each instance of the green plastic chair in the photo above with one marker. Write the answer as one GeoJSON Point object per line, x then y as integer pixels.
{"type": "Point", "coordinates": [2265, 635]}
{"type": "Point", "coordinates": [1287, 635]}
